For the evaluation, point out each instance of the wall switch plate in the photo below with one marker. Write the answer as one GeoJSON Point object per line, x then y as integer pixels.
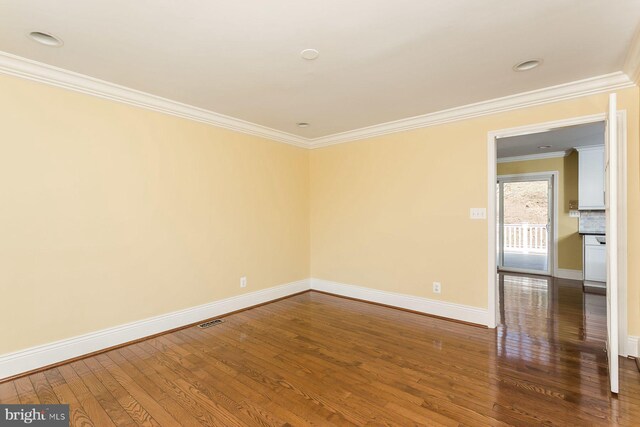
{"type": "Point", "coordinates": [478, 213]}
{"type": "Point", "coordinates": [574, 214]}
{"type": "Point", "coordinates": [437, 287]}
{"type": "Point", "coordinates": [243, 282]}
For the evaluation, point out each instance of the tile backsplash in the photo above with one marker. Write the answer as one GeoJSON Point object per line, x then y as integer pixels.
{"type": "Point", "coordinates": [592, 222]}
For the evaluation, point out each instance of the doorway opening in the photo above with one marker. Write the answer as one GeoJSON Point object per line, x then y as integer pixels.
{"type": "Point", "coordinates": [613, 206]}
{"type": "Point", "coordinates": [525, 218]}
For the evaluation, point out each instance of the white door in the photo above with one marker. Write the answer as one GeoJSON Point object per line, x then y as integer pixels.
{"type": "Point", "coordinates": [611, 200]}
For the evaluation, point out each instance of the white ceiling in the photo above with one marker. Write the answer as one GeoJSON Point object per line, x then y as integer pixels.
{"type": "Point", "coordinates": [563, 139]}
{"type": "Point", "coordinates": [379, 60]}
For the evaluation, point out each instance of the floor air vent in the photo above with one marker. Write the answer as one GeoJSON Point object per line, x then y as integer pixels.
{"type": "Point", "coordinates": [210, 323]}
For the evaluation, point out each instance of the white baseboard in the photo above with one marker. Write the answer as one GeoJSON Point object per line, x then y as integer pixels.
{"type": "Point", "coordinates": [461, 312]}
{"type": "Point", "coordinates": [633, 346]}
{"type": "Point", "coordinates": [36, 357]}
{"type": "Point", "coordinates": [564, 273]}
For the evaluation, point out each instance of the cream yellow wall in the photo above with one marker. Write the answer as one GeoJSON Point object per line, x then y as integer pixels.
{"type": "Point", "coordinates": [392, 212]}
{"type": "Point", "coordinates": [111, 213]}
{"type": "Point", "coordinates": [569, 241]}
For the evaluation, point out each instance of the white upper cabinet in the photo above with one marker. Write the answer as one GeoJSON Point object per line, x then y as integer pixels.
{"type": "Point", "coordinates": [591, 177]}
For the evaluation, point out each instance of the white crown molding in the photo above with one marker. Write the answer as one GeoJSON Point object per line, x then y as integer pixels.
{"type": "Point", "coordinates": [632, 62]}
{"type": "Point", "coordinates": [449, 310]}
{"type": "Point", "coordinates": [538, 156]}
{"type": "Point", "coordinates": [605, 83]}
{"type": "Point", "coordinates": [36, 71]}
{"type": "Point", "coordinates": [599, 147]}
{"type": "Point", "coordinates": [44, 355]}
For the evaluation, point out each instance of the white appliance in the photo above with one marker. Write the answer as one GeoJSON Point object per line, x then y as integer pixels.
{"type": "Point", "coordinates": [595, 260]}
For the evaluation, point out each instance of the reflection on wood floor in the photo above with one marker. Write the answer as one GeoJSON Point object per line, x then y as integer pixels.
{"type": "Point", "coordinates": [316, 359]}
{"type": "Point", "coordinates": [557, 333]}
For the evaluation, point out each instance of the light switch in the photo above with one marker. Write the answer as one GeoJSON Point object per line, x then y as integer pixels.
{"type": "Point", "coordinates": [478, 213]}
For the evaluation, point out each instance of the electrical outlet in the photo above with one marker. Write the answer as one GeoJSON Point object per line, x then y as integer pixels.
{"type": "Point", "coordinates": [436, 287]}
{"type": "Point", "coordinates": [478, 213]}
{"type": "Point", "coordinates": [243, 282]}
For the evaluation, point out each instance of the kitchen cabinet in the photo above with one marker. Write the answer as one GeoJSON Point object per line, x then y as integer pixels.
{"type": "Point", "coordinates": [591, 183]}
{"type": "Point", "coordinates": [595, 260]}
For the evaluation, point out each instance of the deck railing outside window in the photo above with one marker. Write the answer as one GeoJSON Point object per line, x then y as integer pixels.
{"type": "Point", "coordinates": [525, 238]}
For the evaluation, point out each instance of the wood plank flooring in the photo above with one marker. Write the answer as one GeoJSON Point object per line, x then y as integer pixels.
{"type": "Point", "coordinates": [316, 359]}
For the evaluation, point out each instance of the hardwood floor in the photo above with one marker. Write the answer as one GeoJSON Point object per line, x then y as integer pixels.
{"type": "Point", "coordinates": [315, 359]}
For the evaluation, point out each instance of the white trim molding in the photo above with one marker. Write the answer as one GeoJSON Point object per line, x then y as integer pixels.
{"type": "Point", "coordinates": [37, 357]}
{"type": "Point", "coordinates": [539, 156]}
{"type": "Point", "coordinates": [590, 86]}
{"type": "Point", "coordinates": [48, 354]}
{"type": "Point", "coordinates": [492, 136]}
{"type": "Point", "coordinates": [445, 309]}
{"type": "Point", "coordinates": [633, 346]}
{"type": "Point", "coordinates": [564, 273]}
{"type": "Point", "coordinates": [37, 71]}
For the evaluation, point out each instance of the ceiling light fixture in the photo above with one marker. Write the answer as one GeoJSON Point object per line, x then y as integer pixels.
{"type": "Point", "coordinates": [310, 54]}
{"type": "Point", "coordinates": [544, 147]}
{"type": "Point", "coordinates": [45, 39]}
{"type": "Point", "coordinates": [303, 125]}
{"type": "Point", "coordinates": [527, 65]}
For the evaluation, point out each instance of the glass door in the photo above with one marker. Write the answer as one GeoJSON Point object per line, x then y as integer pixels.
{"type": "Point", "coordinates": [525, 232]}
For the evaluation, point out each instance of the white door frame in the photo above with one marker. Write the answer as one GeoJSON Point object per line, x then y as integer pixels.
{"type": "Point", "coordinates": [553, 233]}
{"type": "Point", "coordinates": [492, 287]}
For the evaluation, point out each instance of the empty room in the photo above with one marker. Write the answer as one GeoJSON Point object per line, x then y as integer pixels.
{"type": "Point", "coordinates": [295, 213]}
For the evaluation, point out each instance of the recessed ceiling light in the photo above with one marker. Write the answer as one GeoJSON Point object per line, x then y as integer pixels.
{"type": "Point", "coordinates": [310, 54]}
{"type": "Point", "coordinates": [45, 39]}
{"type": "Point", "coordinates": [544, 147]}
{"type": "Point", "coordinates": [527, 65]}
{"type": "Point", "coordinates": [303, 125]}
